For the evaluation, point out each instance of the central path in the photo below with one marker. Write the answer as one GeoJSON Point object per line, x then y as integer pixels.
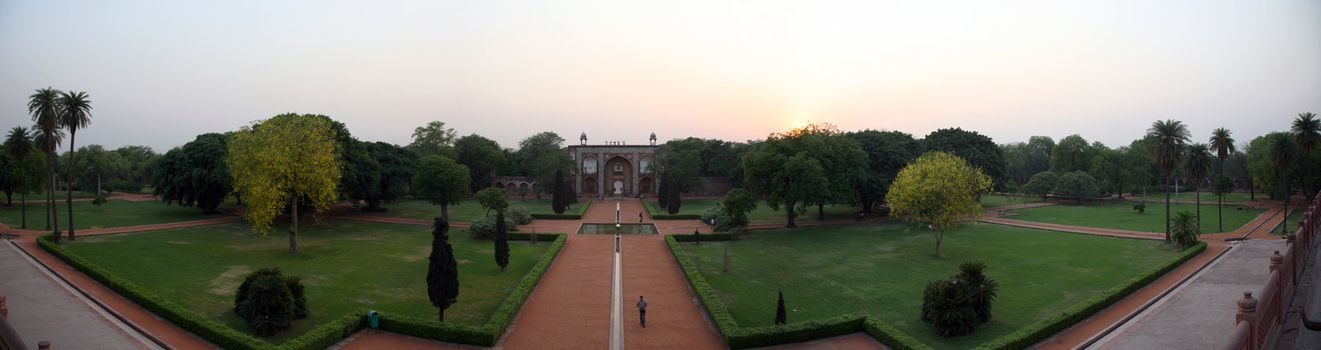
{"type": "Point", "coordinates": [571, 307]}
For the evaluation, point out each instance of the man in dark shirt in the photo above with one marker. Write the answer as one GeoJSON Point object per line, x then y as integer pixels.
{"type": "Point", "coordinates": [642, 311]}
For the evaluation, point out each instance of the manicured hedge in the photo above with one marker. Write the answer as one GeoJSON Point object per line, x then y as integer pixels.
{"type": "Point", "coordinates": [1043, 329]}
{"type": "Point", "coordinates": [488, 334]}
{"type": "Point", "coordinates": [739, 338]}
{"type": "Point", "coordinates": [541, 237]}
{"type": "Point", "coordinates": [578, 215]}
{"type": "Point", "coordinates": [706, 237]}
{"type": "Point", "coordinates": [660, 214]}
{"type": "Point", "coordinates": [332, 332]}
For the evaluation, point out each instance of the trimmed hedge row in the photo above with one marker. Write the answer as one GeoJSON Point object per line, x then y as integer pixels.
{"type": "Point", "coordinates": [706, 237]}
{"type": "Point", "coordinates": [541, 237]}
{"type": "Point", "coordinates": [660, 214]}
{"type": "Point", "coordinates": [1043, 329]}
{"type": "Point", "coordinates": [739, 338]}
{"type": "Point", "coordinates": [330, 333]}
{"type": "Point", "coordinates": [488, 334]}
{"type": "Point", "coordinates": [582, 208]}
{"type": "Point", "coordinates": [212, 331]}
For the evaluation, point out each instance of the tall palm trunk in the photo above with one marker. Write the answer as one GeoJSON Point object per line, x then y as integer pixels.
{"type": "Point", "coordinates": [1284, 224]}
{"type": "Point", "coordinates": [52, 214]}
{"type": "Point", "coordinates": [24, 209]}
{"type": "Point", "coordinates": [1197, 194]}
{"type": "Point", "coordinates": [1169, 182]}
{"type": "Point", "coordinates": [68, 182]}
{"type": "Point", "coordinates": [1220, 202]}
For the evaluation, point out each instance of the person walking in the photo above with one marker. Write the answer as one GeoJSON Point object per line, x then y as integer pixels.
{"type": "Point", "coordinates": [639, 217]}
{"type": "Point", "coordinates": [642, 311]}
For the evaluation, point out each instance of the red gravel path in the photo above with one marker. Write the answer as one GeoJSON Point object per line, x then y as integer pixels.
{"type": "Point", "coordinates": [570, 308]}
{"type": "Point", "coordinates": [674, 319]}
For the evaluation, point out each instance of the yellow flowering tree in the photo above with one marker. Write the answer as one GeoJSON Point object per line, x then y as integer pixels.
{"type": "Point", "coordinates": [940, 190]}
{"type": "Point", "coordinates": [289, 160]}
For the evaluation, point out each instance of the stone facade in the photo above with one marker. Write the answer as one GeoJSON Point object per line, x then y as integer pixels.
{"type": "Point", "coordinates": [613, 169]}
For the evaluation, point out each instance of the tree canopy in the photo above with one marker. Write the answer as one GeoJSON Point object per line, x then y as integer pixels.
{"type": "Point", "coordinates": [887, 153]}
{"type": "Point", "coordinates": [195, 174]}
{"type": "Point", "coordinates": [433, 139]}
{"type": "Point", "coordinates": [482, 156]}
{"type": "Point", "coordinates": [977, 149]}
{"type": "Point", "coordinates": [441, 181]}
{"type": "Point", "coordinates": [287, 160]}
{"type": "Point", "coordinates": [786, 176]}
{"type": "Point", "coordinates": [940, 190]}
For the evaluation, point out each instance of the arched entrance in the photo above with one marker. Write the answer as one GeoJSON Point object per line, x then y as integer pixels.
{"type": "Point", "coordinates": [588, 185]}
{"type": "Point", "coordinates": [619, 177]}
{"type": "Point", "coordinates": [644, 185]}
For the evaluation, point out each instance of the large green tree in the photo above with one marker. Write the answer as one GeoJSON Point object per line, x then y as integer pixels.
{"type": "Point", "coordinates": [940, 190]}
{"type": "Point", "coordinates": [75, 114]}
{"type": "Point", "coordinates": [289, 160]}
{"type": "Point", "coordinates": [1110, 169]}
{"type": "Point", "coordinates": [1282, 153]}
{"type": "Point", "coordinates": [1073, 153]}
{"type": "Point", "coordinates": [44, 106]}
{"type": "Point", "coordinates": [1197, 165]}
{"type": "Point", "coordinates": [195, 174]}
{"type": "Point", "coordinates": [141, 161]}
{"type": "Point", "coordinates": [95, 165]}
{"type": "Point", "coordinates": [24, 176]}
{"type": "Point", "coordinates": [887, 152]}
{"type": "Point", "coordinates": [1222, 143]}
{"type": "Point", "coordinates": [977, 149]}
{"type": "Point", "coordinates": [540, 156]}
{"type": "Point", "coordinates": [482, 156]}
{"type": "Point", "coordinates": [1022, 160]}
{"type": "Point", "coordinates": [1307, 132]}
{"type": "Point", "coordinates": [1078, 185]}
{"type": "Point", "coordinates": [1170, 136]}
{"type": "Point", "coordinates": [433, 139]}
{"type": "Point", "coordinates": [397, 165]}
{"type": "Point", "coordinates": [787, 181]}
{"type": "Point", "coordinates": [441, 181]}
{"type": "Point", "coordinates": [678, 163]}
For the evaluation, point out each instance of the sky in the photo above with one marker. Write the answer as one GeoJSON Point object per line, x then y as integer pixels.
{"type": "Point", "coordinates": [161, 72]}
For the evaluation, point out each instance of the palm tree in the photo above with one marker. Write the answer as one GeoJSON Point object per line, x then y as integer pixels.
{"type": "Point", "coordinates": [1170, 136]}
{"type": "Point", "coordinates": [1197, 163]}
{"type": "Point", "coordinates": [44, 107]}
{"type": "Point", "coordinates": [1223, 144]}
{"type": "Point", "coordinates": [76, 113]}
{"type": "Point", "coordinates": [1282, 152]}
{"type": "Point", "coordinates": [1307, 131]}
{"type": "Point", "coordinates": [19, 145]}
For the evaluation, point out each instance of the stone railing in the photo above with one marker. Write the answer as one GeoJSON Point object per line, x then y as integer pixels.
{"type": "Point", "coordinates": [1260, 317]}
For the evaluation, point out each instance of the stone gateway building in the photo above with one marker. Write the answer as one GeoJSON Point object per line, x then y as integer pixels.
{"type": "Point", "coordinates": [613, 169]}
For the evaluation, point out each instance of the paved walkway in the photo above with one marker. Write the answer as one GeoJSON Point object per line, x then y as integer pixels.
{"type": "Point", "coordinates": [675, 319]}
{"type": "Point", "coordinates": [42, 308]}
{"type": "Point", "coordinates": [1199, 314]}
{"type": "Point", "coordinates": [1110, 318]}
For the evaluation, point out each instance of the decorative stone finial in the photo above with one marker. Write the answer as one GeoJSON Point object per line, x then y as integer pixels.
{"type": "Point", "coordinates": [1247, 304]}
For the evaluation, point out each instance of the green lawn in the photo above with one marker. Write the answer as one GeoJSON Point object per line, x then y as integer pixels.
{"type": "Point", "coordinates": [467, 210]}
{"type": "Point", "coordinates": [881, 269]}
{"type": "Point", "coordinates": [1122, 216]}
{"type": "Point", "coordinates": [1292, 221]}
{"type": "Point", "coordinates": [345, 265]}
{"type": "Point", "coordinates": [763, 214]}
{"type": "Point", "coordinates": [996, 200]}
{"type": "Point", "coordinates": [1235, 197]}
{"type": "Point", "coordinates": [110, 214]}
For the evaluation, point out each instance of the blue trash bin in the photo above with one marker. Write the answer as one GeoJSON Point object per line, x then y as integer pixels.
{"type": "Point", "coordinates": [373, 319]}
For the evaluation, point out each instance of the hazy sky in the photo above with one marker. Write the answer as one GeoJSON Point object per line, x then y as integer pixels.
{"type": "Point", "coordinates": [161, 72]}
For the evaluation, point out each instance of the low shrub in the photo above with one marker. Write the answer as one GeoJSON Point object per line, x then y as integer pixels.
{"type": "Point", "coordinates": [519, 215]}
{"type": "Point", "coordinates": [484, 227]}
{"type": "Point", "coordinates": [576, 215]}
